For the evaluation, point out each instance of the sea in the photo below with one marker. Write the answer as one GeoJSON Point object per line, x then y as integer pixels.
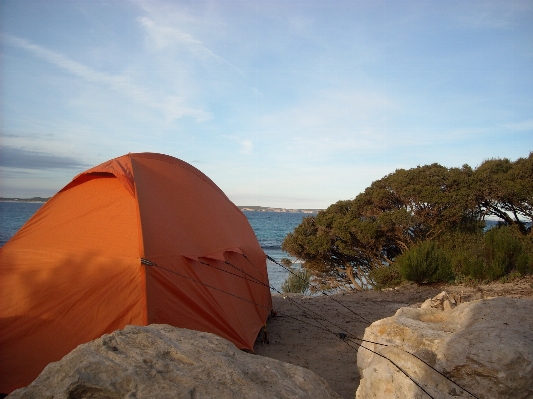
{"type": "Point", "coordinates": [270, 229]}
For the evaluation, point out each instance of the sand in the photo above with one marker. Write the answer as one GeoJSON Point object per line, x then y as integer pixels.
{"type": "Point", "coordinates": [296, 337]}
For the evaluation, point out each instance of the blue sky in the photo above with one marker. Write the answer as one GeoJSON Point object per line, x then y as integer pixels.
{"type": "Point", "coordinates": [294, 104]}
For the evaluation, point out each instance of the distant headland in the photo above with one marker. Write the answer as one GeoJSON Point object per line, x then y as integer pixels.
{"type": "Point", "coordinates": [33, 199]}
{"type": "Point", "coordinates": [242, 208]}
{"type": "Point", "coordinates": [269, 209]}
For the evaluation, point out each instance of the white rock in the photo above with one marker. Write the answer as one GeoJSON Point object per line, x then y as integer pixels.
{"type": "Point", "coordinates": [486, 346]}
{"type": "Point", "coordinates": [160, 361]}
{"type": "Point", "coordinates": [442, 301]}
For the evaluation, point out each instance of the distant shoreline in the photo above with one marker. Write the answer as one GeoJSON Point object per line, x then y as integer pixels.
{"type": "Point", "coordinates": [34, 199]}
{"type": "Point", "coordinates": [279, 210]}
{"type": "Point", "coordinates": [242, 208]}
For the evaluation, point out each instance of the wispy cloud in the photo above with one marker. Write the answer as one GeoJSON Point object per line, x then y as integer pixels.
{"type": "Point", "coordinates": [172, 107]}
{"type": "Point", "coordinates": [166, 36]}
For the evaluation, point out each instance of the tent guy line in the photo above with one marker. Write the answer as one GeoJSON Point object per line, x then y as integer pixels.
{"type": "Point", "coordinates": [341, 335]}
{"type": "Point", "coordinates": [153, 264]}
{"type": "Point", "coordinates": [254, 280]}
{"type": "Point", "coordinates": [251, 263]}
{"type": "Point", "coordinates": [322, 292]}
{"type": "Point", "coordinates": [347, 342]}
{"type": "Point", "coordinates": [355, 338]}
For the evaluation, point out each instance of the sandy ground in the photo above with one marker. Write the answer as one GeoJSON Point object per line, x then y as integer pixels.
{"type": "Point", "coordinates": [299, 335]}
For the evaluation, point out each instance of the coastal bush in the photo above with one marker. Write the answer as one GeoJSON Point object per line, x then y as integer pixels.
{"type": "Point", "coordinates": [497, 253]}
{"type": "Point", "coordinates": [472, 267]}
{"type": "Point", "coordinates": [425, 263]}
{"type": "Point", "coordinates": [297, 282]}
{"type": "Point", "coordinates": [506, 250]}
{"type": "Point", "coordinates": [393, 218]}
{"type": "Point", "coordinates": [464, 248]}
{"type": "Point", "coordinates": [386, 277]}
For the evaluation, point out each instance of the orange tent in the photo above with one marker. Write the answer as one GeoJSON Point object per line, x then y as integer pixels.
{"type": "Point", "coordinates": [144, 238]}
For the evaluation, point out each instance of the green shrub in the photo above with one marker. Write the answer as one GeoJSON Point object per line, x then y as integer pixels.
{"type": "Point", "coordinates": [297, 282]}
{"type": "Point", "coordinates": [464, 248]}
{"type": "Point", "coordinates": [425, 263]}
{"type": "Point", "coordinates": [490, 256]}
{"type": "Point", "coordinates": [467, 259]}
{"type": "Point", "coordinates": [505, 250]}
{"type": "Point", "coordinates": [386, 276]}
{"type": "Point", "coordinates": [472, 266]}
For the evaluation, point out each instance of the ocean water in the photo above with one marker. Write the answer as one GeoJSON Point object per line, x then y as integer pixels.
{"type": "Point", "coordinates": [270, 229]}
{"type": "Point", "coordinates": [13, 215]}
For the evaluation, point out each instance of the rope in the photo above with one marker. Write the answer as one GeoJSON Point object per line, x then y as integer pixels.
{"type": "Point", "coordinates": [322, 292]}
{"type": "Point", "coordinates": [360, 339]}
{"type": "Point", "coordinates": [341, 335]}
{"type": "Point", "coordinates": [377, 353]}
{"type": "Point", "coordinates": [153, 264]}
{"type": "Point", "coordinates": [255, 280]}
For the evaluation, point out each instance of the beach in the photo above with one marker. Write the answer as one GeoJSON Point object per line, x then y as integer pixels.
{"type": "Point", "coordinates": [295, 337]}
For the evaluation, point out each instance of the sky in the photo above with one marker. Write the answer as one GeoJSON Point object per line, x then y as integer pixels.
{"type": "Point", "coordinates": [282, 103]}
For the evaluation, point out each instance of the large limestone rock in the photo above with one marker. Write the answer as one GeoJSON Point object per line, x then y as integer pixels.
{"type": "Point", "coordinates": [486, 346]}
{"type": "Point", "coordinates": [160, 361]}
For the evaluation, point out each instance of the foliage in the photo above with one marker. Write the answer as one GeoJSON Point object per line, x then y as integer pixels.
{"type": "Point", "coordinates": [386, 276]}
{"type": "Point", "coordinates": [490, 256]}
{"type": "Point", "coordinates": [505, 189]}
{"type": "Point", "coordinates": [351, 238]}
{"type": "Point", "coordinates": [506, 251]}
{"type": "Point", "coordinates": [464, 248]}
{"type": "Point", "coordinates": [425, 263]}
{"type": "Point", "coordinates": [297, 282]}
{"type": "Point", "coordinates": [353, 242]}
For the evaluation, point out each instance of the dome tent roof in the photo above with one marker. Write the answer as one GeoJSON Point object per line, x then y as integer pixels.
{"type": "Point", "coordinates": [140, 239]}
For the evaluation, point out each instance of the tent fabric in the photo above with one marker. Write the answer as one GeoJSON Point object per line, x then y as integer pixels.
{"type": "Point", "coordinates": [74, 271]}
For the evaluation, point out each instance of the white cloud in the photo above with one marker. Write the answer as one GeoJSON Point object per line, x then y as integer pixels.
{"type": "Point", "coordinates": [171, 107]}
{"type": "Point", "coordinates": [164, 36]}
